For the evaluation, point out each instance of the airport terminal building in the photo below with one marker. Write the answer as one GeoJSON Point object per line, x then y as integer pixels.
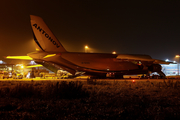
{"type": "Point", "coordinates": [171, 69]}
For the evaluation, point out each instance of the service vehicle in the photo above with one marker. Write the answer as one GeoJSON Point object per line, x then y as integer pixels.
{"type": "Point", "coordinates": [6, 75]}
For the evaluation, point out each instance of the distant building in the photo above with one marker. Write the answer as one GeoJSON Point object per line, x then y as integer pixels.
{"type": "Point", "coordinates": [170, 70]}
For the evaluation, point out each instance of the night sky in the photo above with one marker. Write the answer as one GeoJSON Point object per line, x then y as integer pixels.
{"type": "Point", "coordinates": [124, 26]}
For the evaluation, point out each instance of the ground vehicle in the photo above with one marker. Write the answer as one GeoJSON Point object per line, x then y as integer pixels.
{"type": "Point", "coordinates": [17, 76]}
{"type": "Point", "coordinates": [1, 74]}
{"type": "Point", "coordinates": [7, 75]}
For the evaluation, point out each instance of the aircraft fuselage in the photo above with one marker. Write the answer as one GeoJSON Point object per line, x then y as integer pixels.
{"type": "Point", "coordinates": [94, 63]}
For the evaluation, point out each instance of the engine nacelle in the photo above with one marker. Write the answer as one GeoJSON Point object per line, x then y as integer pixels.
{"type": "Point", "coordinates": [155, 68]}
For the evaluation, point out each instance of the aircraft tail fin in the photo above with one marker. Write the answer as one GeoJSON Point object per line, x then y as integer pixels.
{"type": "Point", "coordinates": [43, 37]}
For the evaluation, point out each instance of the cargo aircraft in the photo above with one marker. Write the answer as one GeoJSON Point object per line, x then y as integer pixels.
{"type": "Point", "coordinates": [49, 51]}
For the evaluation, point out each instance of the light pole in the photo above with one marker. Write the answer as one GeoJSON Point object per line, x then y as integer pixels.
{"type": "Point", "coordinates": [177, 56]}
{"type": "Point", "coordinates": [86, 48]}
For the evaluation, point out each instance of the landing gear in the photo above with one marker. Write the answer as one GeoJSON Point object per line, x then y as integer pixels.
{"type": "Point", "coordinates": [103, 76]}
{"type": "Point", "coordinates": [148, 75]}
{"type": "Point", "coordinates": [162, 75]}
{"type": "Point", "coordinates": [118, 76]}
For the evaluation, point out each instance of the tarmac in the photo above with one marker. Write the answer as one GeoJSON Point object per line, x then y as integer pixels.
{"type": "Point", "coordinates": [85, 79]}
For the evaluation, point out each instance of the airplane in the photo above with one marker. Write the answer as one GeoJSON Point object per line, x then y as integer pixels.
{"type": "Point", "coordinates": [49, 51]}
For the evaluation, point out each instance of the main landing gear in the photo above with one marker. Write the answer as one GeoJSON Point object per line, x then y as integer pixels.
{"type": "Point", "coordinates": [162, 75]}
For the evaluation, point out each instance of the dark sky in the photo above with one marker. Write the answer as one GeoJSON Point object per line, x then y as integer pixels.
{"type": "Point", "coordinates": [125, 26]}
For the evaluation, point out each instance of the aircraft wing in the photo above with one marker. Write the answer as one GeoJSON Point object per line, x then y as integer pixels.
{"type": "Point", "coordinates": [141, 58]}
{"type": "Point", "coordinates": [19, 57]}
{"type": "Point", "coordinates": [135, 57]}
{"type": "Point", "coordinates": [31, 66]}
{"type": "Point", "coordinates": [161, 62]}
{"type": "Point", "coordinates": [23, 58]}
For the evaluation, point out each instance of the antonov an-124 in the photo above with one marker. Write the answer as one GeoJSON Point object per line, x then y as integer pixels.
{"type": "Point", "coordinates": [50, 52]}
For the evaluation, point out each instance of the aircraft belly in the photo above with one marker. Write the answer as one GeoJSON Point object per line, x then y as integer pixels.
{"type": "Point", "coordinates": [111, 66]}
{"type": "Point", "coordinates": [62, 63]}
{"type": "Point", "coordinates": [101, 62]}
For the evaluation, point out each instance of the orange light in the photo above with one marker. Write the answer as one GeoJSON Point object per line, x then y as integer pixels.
{"type": "Point", "coordinates": [133, 81]}
{"type": "Point", "coordinates": [86, 47]}
{"type": "Point", "coordinates": [177, 56]}
{"type": "Point", "coordinates": [37, 49]}
{"type": "Point", "coordinates": [114, 52]}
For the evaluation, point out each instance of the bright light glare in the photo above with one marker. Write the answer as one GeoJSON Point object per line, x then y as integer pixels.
{"type": "Point", "coordinates": [177, 56]}
{"type": "Point", "coordinates": [167, 60]}
{"type": "Point", "coordinates": [32, 62]}
{"type": "Point", "coordinates": [22, 66]}
{"type": "Point", "coordinates": [10, 68]}
{"type": "Point", "coordinates": [133, 81]}
{"type": "Point", "coordinates": [86, 47]}
{"type": "Point", "coordinates": [114, 52]}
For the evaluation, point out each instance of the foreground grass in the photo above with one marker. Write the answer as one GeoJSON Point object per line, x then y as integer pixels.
{"type": "Point", "coordinates": [90, 100]}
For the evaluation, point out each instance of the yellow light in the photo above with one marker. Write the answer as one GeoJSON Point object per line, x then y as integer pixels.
{"type": "Point", "coordinates": [22, 66]}
{"type": "Point", "coordinates": [86, 47]}
{"type": "Point", "coordinates": [50, 55]}
{"type": "Point", "coordinates": [177, 56]}
{"type": "Point", "coordinates": [19, 57]}
{"type": "Point", "coordinates": [34, 66]}
{"type": "Point", "coordinates": [114, 52]}
{"type": "Point", "coordinates": [10, 68]}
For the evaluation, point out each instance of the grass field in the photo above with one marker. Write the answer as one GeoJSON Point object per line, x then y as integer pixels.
{"type": "Point", "coordinates": [90, 100]}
